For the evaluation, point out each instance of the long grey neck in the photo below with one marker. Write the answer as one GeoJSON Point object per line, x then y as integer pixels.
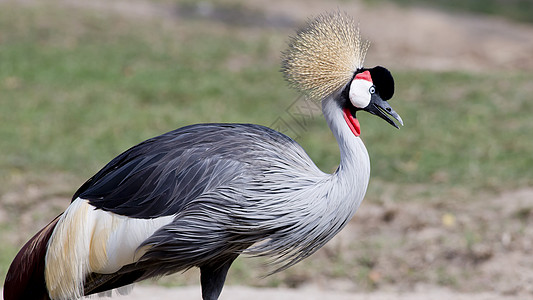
{"type": "Point", "coordinates": [351, 179]}
{"type": "Point", "coordinates": [352, 150]}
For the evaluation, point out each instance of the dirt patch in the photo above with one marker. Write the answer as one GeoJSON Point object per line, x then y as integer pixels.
{"type": "Point", "coordinates": [428, 39]}
{"type": "Point", "coordinates": [245, 293]}
{"type": "Point", "coordinates": [242, 293]}
{"type": "Point", "coordinates": [470, 246]}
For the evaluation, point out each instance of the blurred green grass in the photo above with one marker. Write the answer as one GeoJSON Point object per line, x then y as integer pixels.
{"type": "Point", "coordinates": [79, 87]}
{"type": "Point", "coordinates": [77, 93]}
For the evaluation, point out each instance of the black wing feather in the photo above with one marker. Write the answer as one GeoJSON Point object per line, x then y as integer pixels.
{"type": "Point", "coordinates": [162, 175]}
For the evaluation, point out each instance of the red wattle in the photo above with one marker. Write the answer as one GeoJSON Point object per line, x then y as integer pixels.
{"type": "Point", "coordinates": [364, 76]}
{"type": "Point", "coordinates": [352, 122]}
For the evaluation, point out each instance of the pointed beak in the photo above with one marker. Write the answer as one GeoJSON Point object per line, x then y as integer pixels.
{"type": "Point", "coordinates": [381, 108]}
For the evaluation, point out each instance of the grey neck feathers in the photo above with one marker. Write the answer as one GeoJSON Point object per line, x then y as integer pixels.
{"type": "Point", "coordinates": [350, 181]}
{"type": "Point", "coordinates": [354, 156]}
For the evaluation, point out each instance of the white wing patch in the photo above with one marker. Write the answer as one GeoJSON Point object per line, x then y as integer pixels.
{"type": "Point", "coordinates": [88, 240]}
{"type": "Point", "coordinates": [125, 238]}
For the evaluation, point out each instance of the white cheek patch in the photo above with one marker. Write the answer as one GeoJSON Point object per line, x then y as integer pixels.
{"type": "Point", "coordinates": [359, 93]}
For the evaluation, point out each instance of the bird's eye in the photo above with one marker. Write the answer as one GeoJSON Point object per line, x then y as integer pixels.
{"type": "Point", "coordinates": [372, 89]}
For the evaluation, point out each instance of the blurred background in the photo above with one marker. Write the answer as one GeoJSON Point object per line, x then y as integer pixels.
{"type": "Point", "coordinates": [450, 201]}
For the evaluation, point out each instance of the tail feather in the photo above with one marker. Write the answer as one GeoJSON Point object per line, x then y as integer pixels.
{"type": "Point", "coordinates": [101, 283]}
{"type": "Point", "coordinates": [25, 278]}
{"type": "Point", "coordinates": [83, 251]}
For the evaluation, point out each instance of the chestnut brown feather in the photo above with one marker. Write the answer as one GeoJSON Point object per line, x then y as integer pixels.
{"type": "Point", "coordinates": [25, 278]}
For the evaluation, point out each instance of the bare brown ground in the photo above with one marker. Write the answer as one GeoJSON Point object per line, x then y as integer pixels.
{"type": "Point", "coordinates": [428, 39]}
{"type": "Point", "coordinates": [246, 293]}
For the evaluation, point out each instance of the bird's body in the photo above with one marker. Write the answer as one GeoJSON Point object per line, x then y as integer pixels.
{"type": "Point", "coordinates": [199, 196]}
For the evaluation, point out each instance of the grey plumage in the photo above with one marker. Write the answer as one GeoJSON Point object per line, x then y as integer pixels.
{"type": "Point", "coordinates": [259, 187]}
{"type": "Point", "coordinates": [201, 195]}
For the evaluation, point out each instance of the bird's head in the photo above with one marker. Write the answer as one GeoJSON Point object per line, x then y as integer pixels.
{"type": "Point", "coordinates": [325, 59]}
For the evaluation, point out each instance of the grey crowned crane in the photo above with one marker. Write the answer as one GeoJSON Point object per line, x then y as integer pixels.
{"type": "Point", "coordinates": [201, 195]}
